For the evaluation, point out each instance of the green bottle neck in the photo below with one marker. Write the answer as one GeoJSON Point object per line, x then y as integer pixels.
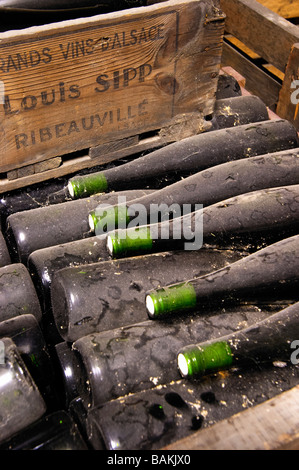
{"type": "Point", "coordinates": [122, 242]}
{"type": "Point", "coordinates": [103, 220]}
{"type": "Point", "coordinates": [168, 299]}
{"type": "Point", "coordinates": [83, 186]}
{"type": "Point", "coordinates": [196, 360]}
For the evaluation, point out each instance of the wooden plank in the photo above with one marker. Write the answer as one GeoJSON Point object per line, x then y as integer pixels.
{"type": "Point", "coordinates": [82, 83]}
{"type": "Point", "coordinates": [240, 45]}
{"type": "Point", "coordinates": [258, 82]}
{"type": "Point", "coordinates": [262, 30]}
{"type": "Point", "coordinates": [288, 104]}
{"type": "Point", "coordinates": [284, 8]}
{"type": "Point", "coordinates": [280, 75]}
{"type": "Point", "coordinates": [36, 168]}
{"type": "Point", "coordinates": [73, 164]}
{"type": "Point", "coordinates": [272, 425]}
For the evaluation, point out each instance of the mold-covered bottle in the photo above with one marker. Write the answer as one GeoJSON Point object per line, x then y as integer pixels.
{"type": "Point", "coordinates": [266, 341]}
{"type": "Point", "coordinates": [189, 156]}
{"type": "Point", "coordinates": [140, 356]}
{"type": "Point", "coordinates": [272, 272]}
{"type": "Point", "coordinates": [17, 293]}
{"type": "Point", "coordinates": [25, 332]}
{"type": "Point", "coordinates": [21, 403]}
{"type": "Point", "coordinates": [155, 418]}
{"type": "Point", "coordinates": [4, 253]}
{"type": "Point", "coordinates": [228, 87]}
{"type": "Point", "coordinates": [265, 211]}
{"type": "Point", "coordinates": [32, 197]}
{"type": "Point", "coordinates": [55, 431]}
{"type": "Point", "coordinates": [43, 263]}
{"type": "Point", "coordinates": [25, 13]}
{"type": "Point", "coordinates": [107, 295]}
{"type": "Point", "coordinates": [237, 111]}
{"type": "Point", "coordinates": [31, 230]}
{"type": "Point", "coordinates": [205, 187]}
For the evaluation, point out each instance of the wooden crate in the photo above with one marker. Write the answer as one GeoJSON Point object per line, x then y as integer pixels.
{"type": "Point", "coordinates": [263, 47]}
{"type": "Point", "coordinates": [111, 84]}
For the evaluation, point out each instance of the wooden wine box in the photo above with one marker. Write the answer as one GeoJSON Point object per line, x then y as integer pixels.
{"type": "Point", "coordinates": [109, 84]}
{"type": "Point", "coordinates": [261, 42]}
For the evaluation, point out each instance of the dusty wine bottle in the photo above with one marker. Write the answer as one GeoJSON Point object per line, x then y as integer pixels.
{"type": "Point", "coordinates": [237, 111]}
{"type": "Point", "coordinates": [265, 211]}
{"type": "Point", "coordinates": [205, 187]}
{"type": "Point", "coordinates": [59, 5]}
{"type": "Point", "coordinates": [157, 417]}
{"type": "Point", "coordinates": [108, 295]}
{"type": "Point", "coordinates": [4, 253]}
{"type": "Point", "coordinates": [26, 334]}
{"type": "Point", "coordinates": [31, 197]}
{"type": "Point", "coordinates": [43, 263]}
{"type": "Point", "coordinates": [20, 14]}
{"type": "Point", "coordinates": [273, 268]}
{"type": "Point", "coordinates": [112, 353]}
{"type": "Point", "coordinates": [31, 230]}
{"type": "Point", "coordinates": [17, 293]}
{"type": "Point", "coordinates": [55, 431]}
{"type": "Point", "coordinates": [227, 87]}
{"type": "Point", "coordinates": [189, 156]}
{"type": "Point", "coordinates": [20, 400]}
{"type": "Point", "coordinates": [266, 341]}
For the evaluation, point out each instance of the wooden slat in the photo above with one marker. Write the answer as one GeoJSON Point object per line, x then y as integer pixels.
{"type": "Point", "coordinates": [240, 45]}
{"type": "Point", "coordinates": [257, 82]}
{"type": "Point", "coordinates": [284, 8]}
{"type": "Point", "coordinates": [272, 425]}
{"type": "Point", "coordinates": [288, 105]}
{"type": "Point", "coordinates": [262, 30]}
{"type": "Point", "coordinates": [76, 163]}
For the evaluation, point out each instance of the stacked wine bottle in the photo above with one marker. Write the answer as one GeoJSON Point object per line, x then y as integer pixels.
{"type": "Point", "coordinates": [141, 301]}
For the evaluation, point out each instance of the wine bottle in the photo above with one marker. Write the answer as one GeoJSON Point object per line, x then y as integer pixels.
{"type": "Point", "coordinates": [189, 156]}
{"type": "Point", "coordinates": [17, 293]}
{"type": "Point", "coordinates": [120, 370]}
{"type": "Point", "coordinates": [31, 230]}
{"type": "Point", "coordinates": [205, 187]}
{"type": "Point", "coordinates": [106, 295]}
{"type": "Point", "coordinates": [20, 400]}
{"type": "Point", "coordinates": [55, 431]}
{"type": "Point", "coordinates": [4, 253]}
{"type": "Point", "coordinates": [274, 268]}
{"type": "Point", "coordinates": [58, 5]}
{"type": "Point", "coordinates": [154, 418]}
{"type": "Point", "coordinates": [227, 87]}
{"type": "Point", "coordinates": [238, 111]}
{"type": "Point", "coordinates": [32, 197]}
{"type": "Point", "coordinates": [18, 14]}
{"type": "Point", "coordinates": [43, 263]}
{"type": "Point", "coordinates": [265, 211]}
{"type": "Point", "coordinates": [267, 341]}
{"type": "Point", "coordinates": [26, 334]}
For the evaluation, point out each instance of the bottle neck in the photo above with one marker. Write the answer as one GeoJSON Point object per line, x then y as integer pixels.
{"type": "Point", "coordinates": [82, 186]}
{"type": "Point", "coordinates": [126, 241]}
{"type": "Point", "coordinates": [166, 300]}
{"type": "Point", "coordinates": [266, 341]}
{"type": "Point", "coordinates": [103, 220]}
{"type": "Point", "coordinates": [196, 360]}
